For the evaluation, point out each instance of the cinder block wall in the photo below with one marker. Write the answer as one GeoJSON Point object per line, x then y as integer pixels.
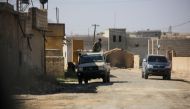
{"type": "Point", "coordinates": [120, 59]}
{"type": "Point", "coordinates": [136, 61]}
{"type": "Point", "coordinates": [181, 65]}
{"type": "Point", "coordinates": [18, 63]}
{"type": "Point", "coordinates": [55, 66]}
{"type": "Point", "coordinates": [138, 46]}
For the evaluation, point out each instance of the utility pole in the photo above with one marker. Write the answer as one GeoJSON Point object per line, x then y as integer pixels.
{"type": "Point", "coordinates": [170, 29]}
{"type": "Point", "coordinates": [57, 14]}
{"type": "Point", "coordinates": [95, 25]}
{"type": "Point", "coordinates": [17, 5]}
{"type": "Point", "coordinates": [115, 15]}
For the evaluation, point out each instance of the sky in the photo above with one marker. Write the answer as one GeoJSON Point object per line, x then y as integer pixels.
{"type": "Point", "coordinates": [134, 15]}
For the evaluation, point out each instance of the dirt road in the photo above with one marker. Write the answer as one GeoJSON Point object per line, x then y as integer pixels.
{"type": "Point", "coordinates": [127, 90]}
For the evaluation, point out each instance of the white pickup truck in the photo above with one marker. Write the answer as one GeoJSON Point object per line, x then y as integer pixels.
{"type": "Point", "coordinates": [92, 65]}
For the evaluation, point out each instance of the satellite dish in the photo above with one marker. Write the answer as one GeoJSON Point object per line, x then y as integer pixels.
{"type": "Point", "coordinates": [43, 1]}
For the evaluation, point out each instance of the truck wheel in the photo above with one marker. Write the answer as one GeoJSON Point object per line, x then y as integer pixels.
{"type": "Point", "coordinates": [164, 77]}
{"type": "Point", "coordinates": [86, 81]}
{"type": "Point", "coordinates": [142, 74]}
{"type": "Point", "coordinates": [108, 78]}
{"type": "Point", "coordinates": [80, 80]}
{"type": "Point", "coordinates": [168, 77]}
{"type": "Point", "coordinates": [146, 76]}
{"type": "Point", "coordinates": [105, 79]}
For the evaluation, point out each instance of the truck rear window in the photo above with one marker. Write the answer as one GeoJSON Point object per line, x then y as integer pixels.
{"type": "Point", "coordinates": [91, 58]}
{"type": "Point", "coordinates": [157, 59]}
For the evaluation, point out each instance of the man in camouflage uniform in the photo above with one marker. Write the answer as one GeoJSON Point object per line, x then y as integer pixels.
{"type": "Point", "coordinates": [97, 46]}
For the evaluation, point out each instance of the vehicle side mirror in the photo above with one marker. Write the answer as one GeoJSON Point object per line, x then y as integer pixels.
{"type": "Point", "coordinates": [144, 60]}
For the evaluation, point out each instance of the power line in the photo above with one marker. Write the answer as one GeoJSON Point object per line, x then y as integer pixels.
{"type": "Point", "coordinates": [181, 24]}
{"type": "Point", "coordinates": [178, 25]}
{"type": "Point", "coordinates": [57, 14]}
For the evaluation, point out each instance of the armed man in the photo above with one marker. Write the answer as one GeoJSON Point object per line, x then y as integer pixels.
{"type": "Point", "coordinates": [97, 46]}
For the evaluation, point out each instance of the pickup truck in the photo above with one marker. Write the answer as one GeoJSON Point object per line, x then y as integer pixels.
{"type": "Point", "coordinates": [92, 65]}
{"type": "Point", "coordinates": [156, 65]}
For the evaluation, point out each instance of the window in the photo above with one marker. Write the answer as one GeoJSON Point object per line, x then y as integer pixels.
{"type": "Point", "coordinates": [114, 38]}
{"type": "Point", "coordinates": [136, 45]}
{"type": "Point", "coordinates": [119, 38]}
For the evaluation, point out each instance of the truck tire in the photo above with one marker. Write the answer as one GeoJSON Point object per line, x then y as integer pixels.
{"type": "Point", "coordinates": [169, 77]}
{"type": "Point", "coordinates": [86, 81]}
{"type": "Point", "coordinates": [105, 79]}
{"type": "Point", "coordinates": [164, 77]}
{"type": "Point", "coordinates": [108, 78]}
{"type": "Point", "coordinates": [146, 76]}
{"type": "Point", "coordinates": [142, 74]}
{"type": "Point", "coordinates": [80, 80]}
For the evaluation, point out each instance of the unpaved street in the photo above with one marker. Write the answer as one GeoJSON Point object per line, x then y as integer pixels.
{"type": "Point", "coordinates": [127, 90]}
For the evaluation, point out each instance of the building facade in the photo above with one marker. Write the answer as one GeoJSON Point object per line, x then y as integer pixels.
{"type": "Point", "coordinates": [117, 38]}
{"type": "Point", "coordinates": [149, 33]}
{"type": "Point", "coordinates": [22, 43]}
{"type": "Point", "coordinates": [56, 49]}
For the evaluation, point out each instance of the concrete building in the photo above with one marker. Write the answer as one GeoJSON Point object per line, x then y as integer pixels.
{"type": "Point", "coordinates": [147, 42]}
{"type": "Point", "coordinates": [149, 33]}
{"type": "Point", "coordinates": [117, 38]}
{"type": "Point", "coordinates": [56, 49]}
{"type": "Point", "coordinates": [22, 43]}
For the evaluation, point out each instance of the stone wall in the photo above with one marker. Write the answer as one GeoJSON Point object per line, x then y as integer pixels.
{"type": "Point", "coordinates": [181, 65]}
{"type": "Point", "coordinates": [139, 46]}
{"type": "Point", "coordinates": [55, 65]}
{"type": "Point", "coordinates": [136, 61]}
{"type": "Point", "coordinates": [22, 54]}
{"type": "Point", "coordinates": [55, 54]}
{"type": "Point", "coordinates": [180, 46]}
{"type": "Point", "coordinates": [120, 58]}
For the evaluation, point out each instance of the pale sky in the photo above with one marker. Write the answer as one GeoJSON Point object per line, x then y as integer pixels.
{"type": "Point", "coordinates": [134, 15]}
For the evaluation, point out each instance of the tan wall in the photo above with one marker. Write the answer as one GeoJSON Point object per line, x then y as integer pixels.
{"type": "Point", "coordinates": [55, 36]}
{"type": "Point", "coordinates": [54, 43]}
{"type": "Point", "coordinates": [121, 59]}
{"type": "Point", "coordinates": [181, 65]}
{"type": "Point", "coordinates": [56, 29]}
{"type": "Point", "coordinates": [18, 62]}
{"type": "Point", "coordinates": [141, 49]}
{"type": "Point", "coordinates": [55, 52]}
{"type": "Point", "coordinates": [76, 45]}
{"type": "Point", "coordinates": [54, 47]}
{"type": "Point", "coordinates": [55, 66]}
{"type": "Point", "coordinates": [136, 61]}
{"type": "Point", "coordinates": [130, 60]}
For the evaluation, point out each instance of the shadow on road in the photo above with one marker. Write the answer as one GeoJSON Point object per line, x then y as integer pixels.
{"type": "Point", "coordinates": [113, 76]}
{"type": "Point", "coordinates": [84, 88]}
{"type": "Point", "coordinates": [71, 87]}
{"type": "Point", "coordinates": [181, 80]}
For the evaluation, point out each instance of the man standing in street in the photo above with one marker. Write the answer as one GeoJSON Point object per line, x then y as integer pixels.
{"type": "Point", "coordinates": [97, 46]}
